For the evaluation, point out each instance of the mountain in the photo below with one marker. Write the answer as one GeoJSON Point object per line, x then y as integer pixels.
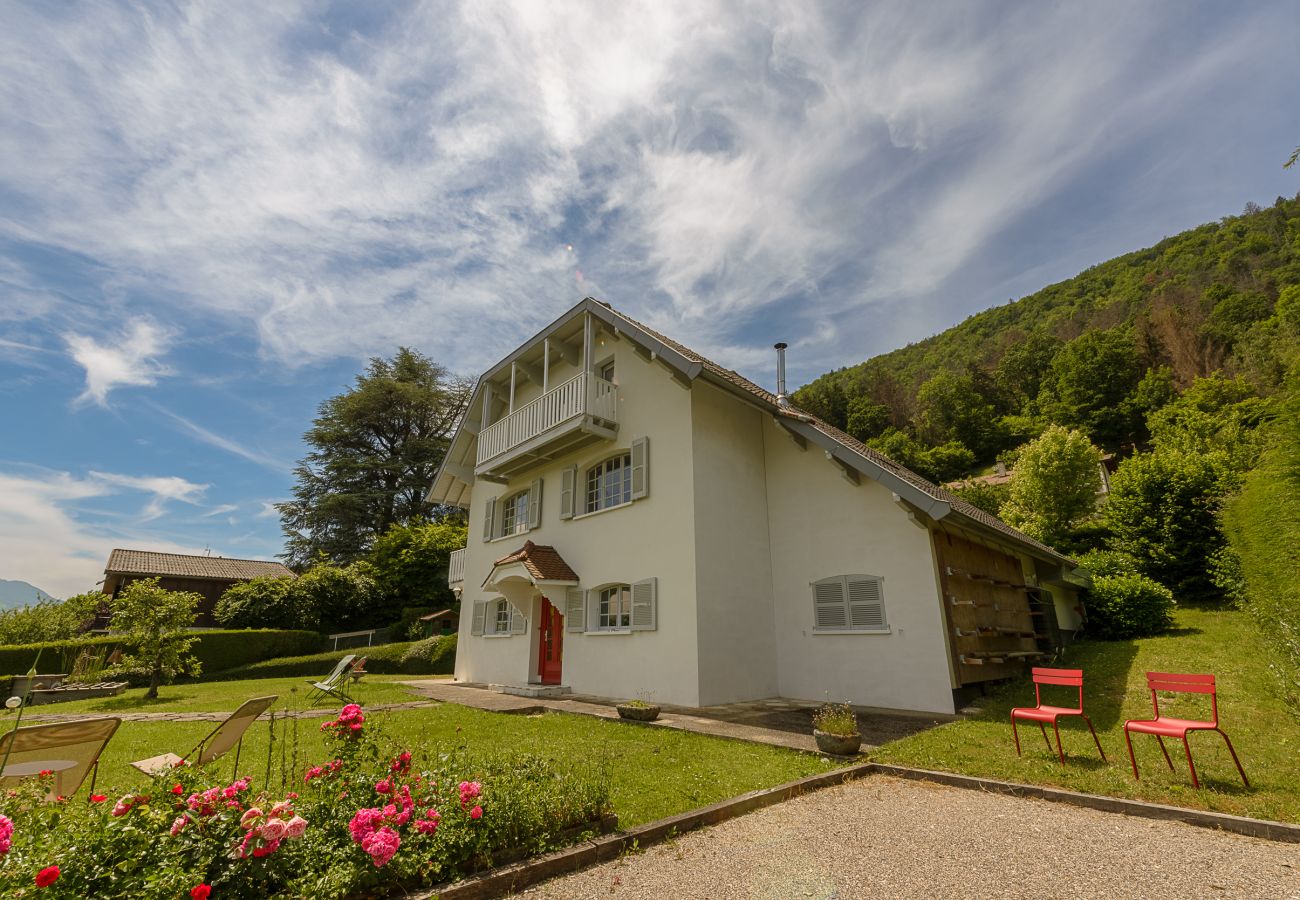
{"type": "Point", "coordinates": [14, 594]}
{"type": "Point", "coordinates": [1093, 352]}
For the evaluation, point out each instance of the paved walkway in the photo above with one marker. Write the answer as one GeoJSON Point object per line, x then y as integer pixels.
{"type": "Point", "coordinates": [780, 723]}
{"type": "Point", "coordinates": [319, 713]}
{"type": "Point", "coordinates": [886, 837]}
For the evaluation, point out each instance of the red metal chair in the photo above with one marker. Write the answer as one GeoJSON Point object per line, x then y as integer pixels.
{"type": "Point", "coordinates": [1166, 726]}
{"type": "Point", "coordinates": [1043, 714]}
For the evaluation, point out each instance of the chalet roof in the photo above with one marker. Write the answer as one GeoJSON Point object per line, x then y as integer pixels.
{"type": "Point", "coordinates": [177, 565]}
{"type": "Point", "coordinates": [542, 562]}
{"type": "Point", "coordinates": [925, 496]}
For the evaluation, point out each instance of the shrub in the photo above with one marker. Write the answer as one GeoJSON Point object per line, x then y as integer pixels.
{"type": "Point", "coordinates": [50, 620]}
{"type": "Point", "coordinates": [1107, 563]}
{"type": "Point", "coordinates": [1127, 606]}
{"type": "Point", "coordinates": [324, 598]}
{"type": "Point", "coordinates": [265, 602]}
{"type": "Point", "coordinates": [390, 659]}
{"type": "Point", "coordinates": [216, 651]}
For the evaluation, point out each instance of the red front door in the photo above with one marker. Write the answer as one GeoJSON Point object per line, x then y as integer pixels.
{"type": "Point", "coordinates": [551, 634]}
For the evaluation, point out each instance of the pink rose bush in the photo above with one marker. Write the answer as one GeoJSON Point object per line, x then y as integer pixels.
{"type": "Point", "coordinates": [368, 821]}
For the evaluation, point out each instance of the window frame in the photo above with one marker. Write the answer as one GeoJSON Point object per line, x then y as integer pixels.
{"type": "Point", "coordinates": [499, 606]}
{"type": "Point", "coordinates": [602, 467]}
{"type": "Point", "coordinates": [847, 605]}
{"type": "Point", "coordinates": [625, 613]}
{"type": "Point", "coordinates": [510, 504]}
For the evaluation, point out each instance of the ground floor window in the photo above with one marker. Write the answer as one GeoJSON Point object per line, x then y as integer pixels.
{"type": "Point", "coordinates": [849, 603]}
{"type": "Point", "coordinates": [615, 611]}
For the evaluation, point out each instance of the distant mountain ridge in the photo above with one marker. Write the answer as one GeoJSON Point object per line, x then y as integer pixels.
{"type": "Point", "coordinates": [14, 594]}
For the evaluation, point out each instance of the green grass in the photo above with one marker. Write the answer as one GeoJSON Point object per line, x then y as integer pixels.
{"type": "Point", "coordinates": [225, 696]}
{"type": "Point", "coordinates": [1225, 643]}
{"type": "Point", "coordinates": [653, 772]}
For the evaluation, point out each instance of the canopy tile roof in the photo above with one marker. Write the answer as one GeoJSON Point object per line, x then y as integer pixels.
{"type": "Point", "coordinates": [177, 565]}
{"type": "Point", "coordinates": [541, 561]}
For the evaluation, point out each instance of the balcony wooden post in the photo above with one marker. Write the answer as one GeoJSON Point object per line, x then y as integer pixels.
{"type": "Point", "coordinates": [546, 365]}
{"type": "Point", "coordinates": [586, 343]}
{"type": "Point", "coordinates": [511, 408]}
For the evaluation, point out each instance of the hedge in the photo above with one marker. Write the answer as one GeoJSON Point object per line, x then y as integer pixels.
{"type": "Point", "coordinates": [433, 656]}
{"type": "Point", "coordinates": [216, 650]}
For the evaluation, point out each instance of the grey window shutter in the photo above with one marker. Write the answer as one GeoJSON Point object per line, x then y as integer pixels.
{"type": "Point", "coordinates": [866, 602]}
{"type": "Point", "coordinates": [645, 603]}
{"type": "Point", "coordinates": [489, 519]}
{"type": "Point", "coordinates": [535, 504]}
{"type": "Point", "coordinates": [640, 468]}
{"type": "Point", "coordinates": [593, 610]}
{"type": "Point", "coordinates": [518, 621]}
{"type": "Point", "coordinates": [476, 625]}
{"type": "Point", "coordinates": [575, 610]}
{"type": "Point", "coordinates": [829, 610]}
{"type": "Point", "coordinates": [568, 480]}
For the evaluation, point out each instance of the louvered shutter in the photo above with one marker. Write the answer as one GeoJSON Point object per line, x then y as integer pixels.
{"type": "Point", "coordinates": [575, 610]}
{"type": "Point", "coordinates": [480, 610]}
{"type": "Point", "coordinates": [640, 468]}
{"type": "Point", "coordinates": [568, 479]}
{"type": "Point", "coordinates": [518, 621]}
{"type": "Point", "coordinates": [489, 519]}
{"type": "Point", "coordinates": [866, 603]}
{"type": "Point", "coordinates": [593, 610]}
{"type": "Point", "coordinates": [535, 504]}
{"type": "Point", "coordinates": [645, 605]}
{"type": "Point", "coordinates": [829, 608]}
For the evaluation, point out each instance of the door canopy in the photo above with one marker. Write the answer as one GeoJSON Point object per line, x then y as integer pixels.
{"type": "Point", "coordinates": [529, 571]}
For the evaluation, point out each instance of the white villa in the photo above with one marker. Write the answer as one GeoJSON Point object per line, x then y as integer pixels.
{"type": "Point", "coordinates": [644, 521]}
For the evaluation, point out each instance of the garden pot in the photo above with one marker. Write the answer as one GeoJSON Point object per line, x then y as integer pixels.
{"type": "Point", "coordinates": [837, 744]}
{"type": "Point", "coordinates": [638, 713]}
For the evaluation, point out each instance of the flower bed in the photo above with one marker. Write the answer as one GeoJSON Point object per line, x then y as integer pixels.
{"type": "Point", "coordinates": [371, 820]}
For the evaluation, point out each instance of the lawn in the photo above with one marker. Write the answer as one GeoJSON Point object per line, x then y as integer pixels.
{"type": "Point", "coordinates": [652, 772]}
{"type": "Point", "coordinates": [1225, 643]}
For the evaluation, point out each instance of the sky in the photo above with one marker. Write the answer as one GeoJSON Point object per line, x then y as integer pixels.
{"type": "Point", "coordinates": [212, 214]}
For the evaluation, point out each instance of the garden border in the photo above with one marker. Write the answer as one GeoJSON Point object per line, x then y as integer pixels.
{"type": "Point", "coordinates": [506, 880]}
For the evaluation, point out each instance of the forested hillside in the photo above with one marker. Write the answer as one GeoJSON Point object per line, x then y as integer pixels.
{"type": "Point", "coordinates": [1098, 352]}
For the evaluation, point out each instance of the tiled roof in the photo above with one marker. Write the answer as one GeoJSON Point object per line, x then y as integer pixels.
{"type": "Point", "coordinates": [541, 561]}
{"type": "Point", "coordinates": [959, 506]}
{"type": "Point", "coordinates": [147, 562]}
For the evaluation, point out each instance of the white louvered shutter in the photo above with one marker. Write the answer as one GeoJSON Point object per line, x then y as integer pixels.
{"type": "Point", "coordinates": [476, 624]}
{"type": "Point", "coordinates": [568, 479]}
{"type": "Point", "coordinates": [645, 605]}
{"type": "Point", "coordinates": [640, 468]}
{"type": "Point", "coordinates": [489, 519]}
{"type": "Point", "coordinates": [575, 610]}
{"type": "Point", "coordinates": [535, 504]}
{"type": "Point", "coordinates": [866, 603]}
{"type": "Point", "coordinates": [829, 608]}
{"type": "Point", "coordinates": [518, 621]}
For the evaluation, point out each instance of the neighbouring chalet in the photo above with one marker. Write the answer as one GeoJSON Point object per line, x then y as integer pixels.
{"type": "Point", "coordinates": [207, 576]}
{"type": "Point", "coordinates": [644, 521]}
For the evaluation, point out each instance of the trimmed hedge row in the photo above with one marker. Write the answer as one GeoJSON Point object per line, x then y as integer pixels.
{"type": "Point", "coordinates": [217, 650]}
{"type": "Point", "coordinates": [432, 656]}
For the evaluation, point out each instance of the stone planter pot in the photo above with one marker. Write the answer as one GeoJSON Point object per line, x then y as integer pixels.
{"type": "Point", "coordinates": [837, 744]}
{"type": "Point", "coordinates": [638, 713]}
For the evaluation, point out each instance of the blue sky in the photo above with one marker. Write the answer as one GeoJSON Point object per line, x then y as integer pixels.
{"type": "Point", "coordinates": [211, 214]}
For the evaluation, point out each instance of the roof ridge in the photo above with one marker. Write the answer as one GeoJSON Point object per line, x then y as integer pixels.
{"type": "Point", "coordinates": [193, 555]}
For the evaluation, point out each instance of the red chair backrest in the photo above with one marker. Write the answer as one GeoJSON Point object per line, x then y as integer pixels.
{"type": "Point", "coordinates": [1063, 677]}
{"type": "Point", "coordinates": [1182, 683]}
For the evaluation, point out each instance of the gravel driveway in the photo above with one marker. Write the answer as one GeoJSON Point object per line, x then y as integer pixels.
{"type": "Point", "coordinates": [885, 837]}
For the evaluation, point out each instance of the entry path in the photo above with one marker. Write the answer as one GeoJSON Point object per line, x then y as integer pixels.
{"type": "Point", "coordinates": [214, 716]}
{"type": "Point", "coordinates": [894, 838]}
{"type": "Point", "coordinates": [778, 723]}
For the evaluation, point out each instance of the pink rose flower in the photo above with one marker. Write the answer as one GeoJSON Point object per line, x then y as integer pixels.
{"type": "Point", "coordinates": [476, 812]}
{"type": "Point", "coordinates": [382, 845]}
{"type": "Point", "coordinates": [250, 817]}
{"type": "Point", "coordinates": [272, 830]}
{"type": "Point", "coordinates": [295, 828]}
{"type": "Point", "coordinates": [178, 824]}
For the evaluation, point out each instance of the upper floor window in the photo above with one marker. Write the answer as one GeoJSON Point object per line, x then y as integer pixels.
{"type": "Point", "coordinates": [609, 483]}
{"type": "Point", "coordinates": [514, 514]}
{"type": "Point", "coordinates": [606, 371]}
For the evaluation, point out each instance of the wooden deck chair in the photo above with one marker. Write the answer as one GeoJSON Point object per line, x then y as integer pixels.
{"type": "Point", "coordinates": [229, 733]}
{"type": "Point", "coordinates": [332, 684]}
{"type": "Point", "coordinates": [68, 749]}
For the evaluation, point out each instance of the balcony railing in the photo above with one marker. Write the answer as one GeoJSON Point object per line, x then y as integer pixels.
{"type": "Point", "coordinates": [456, 567]}
{"type": "Point", "coordinates": [580, 397]}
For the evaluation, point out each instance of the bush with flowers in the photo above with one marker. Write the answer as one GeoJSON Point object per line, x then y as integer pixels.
{"type": "Point", "coordinates": [371, 819]}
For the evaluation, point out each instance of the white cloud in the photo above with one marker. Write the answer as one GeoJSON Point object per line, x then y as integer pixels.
{"type": "Point", "coordinates": [46, 543]}
{"type": "Point", "coordinates": [221, 510]}
{"type": "Point", "coordinates": [127, 358]}
{"type": "Point", "coordinates": [268, 510]}
{"type": "Point", "coordinates": [162, 488]}
{"type": "Point", "coordinates": [221, 442]}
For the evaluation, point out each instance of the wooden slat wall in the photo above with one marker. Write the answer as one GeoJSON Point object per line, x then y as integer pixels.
{"type": "Point", "coordinates": [973, 573]}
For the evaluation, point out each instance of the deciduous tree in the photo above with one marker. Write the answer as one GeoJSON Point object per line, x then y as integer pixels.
{"type": "Point", "coordinates": [155, 623]}
{"type": "Point", "coordinates": [1054, 484]}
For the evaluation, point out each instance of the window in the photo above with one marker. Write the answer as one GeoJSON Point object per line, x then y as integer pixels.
{"type": "Point", "coordinates": [514, 514]}
{"type": "Point", "coordinates": [854, 603]}
{"type": "Point", "coordinates": [615, 609]}
{"type": "Point", "coordinates": [501, 617]}
{"type": "Point", "coordinates": [606, 371]}
{"type": "Point", "coordinates": [609, 483]}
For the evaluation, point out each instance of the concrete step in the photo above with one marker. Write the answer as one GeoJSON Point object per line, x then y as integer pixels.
{"type": "Point", "coordinates": [531, 690]}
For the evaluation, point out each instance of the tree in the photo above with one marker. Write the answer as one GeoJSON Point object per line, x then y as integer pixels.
{"type": "Point", "coordinates": [1054, 484]}
{"type": "Point", "coordinates": [375, 449]}
{"type": "Point", "coordinates": [867, 418]}
{"type": "Point", "coordinates": [1090, 379]}
{"type": "Point", "coordinates": [265, 602]}
{"type": "Point", "coordinates": [410, 563]}
{"type": "Point", "coordinates": [951, 408]}
{"type": "Point", "coordinates": [50, 620]}
{"type": "Point", "coordinates": [155, 623]}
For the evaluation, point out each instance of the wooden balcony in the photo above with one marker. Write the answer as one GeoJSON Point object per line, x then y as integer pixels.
{"type": "Point", "coordinates": [580, 411]}
{"type": "Point", "coordinates": [456, 568]}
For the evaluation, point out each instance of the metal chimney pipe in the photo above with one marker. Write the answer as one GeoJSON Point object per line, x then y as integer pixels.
{"type": "Point", "coordinates": [781, 399]}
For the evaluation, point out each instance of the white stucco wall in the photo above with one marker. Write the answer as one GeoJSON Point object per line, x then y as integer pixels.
{"type": "Point", "coordinates": [821, 525]}
{"type": "Point", "coordinates": [733, 560]}
{"type": "Point", "coordinates": [652, 537]}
